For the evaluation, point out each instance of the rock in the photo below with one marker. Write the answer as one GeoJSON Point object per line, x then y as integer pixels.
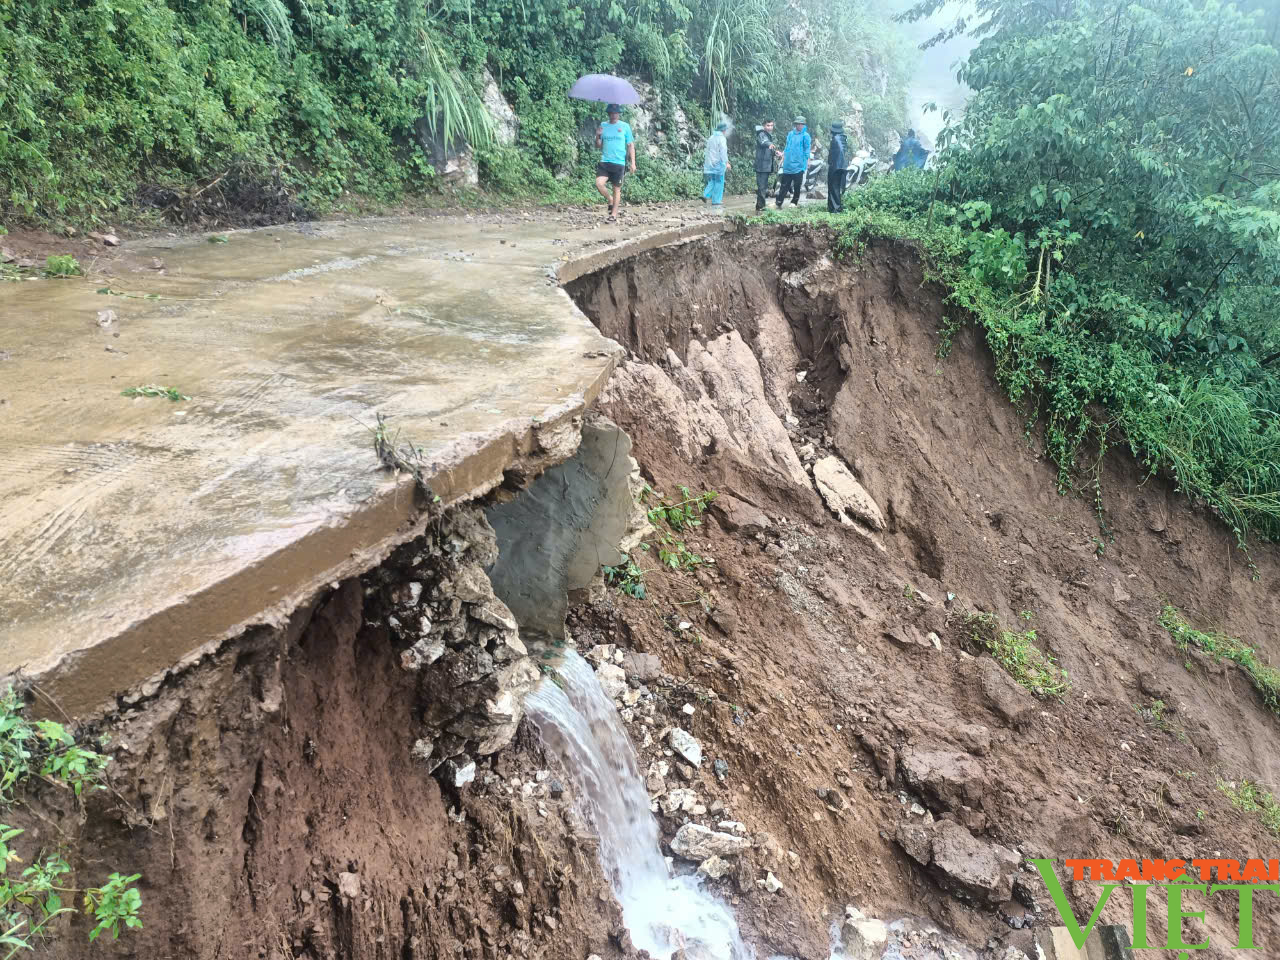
{"type": "Point", "coordinates": [678, 801]}
{"type": "Point", "coordinates": [506, 125]}
{"type": "Point", "coordinates": [422, 750]}
{"type": "Point", "coordinates": [349, 885]}
{"type": "Point", "coordinates": [720, 768]}
{"type": "Point", "coordinates": [655, 785]}
{"type": "Point", "coordinates": [111, 240]}
{"type": "Point", "coordinates": [907, 637]}
{"type": "Point", "coordinates": [106, 318]}
{"type": "Point", "coordinates": [613, 679]}
{"type": "Point", "coordinates": [887, 762]}
{"type": "Point", "coordinates": [950, 777]}
{"type": "Point", "coordinates": [934, 639]}
{"type": "Point", "coordinates": [1014, 914]}
{"type": "Point", "coordinates": [684, 744]}
{"type": "Point", "coordinates": [555, 789]}
{"type": "Point", "coordinates": [714, 867]}
{"type": "Point", "coordinates": [917, 840]}
{"type": "Point", "coordinates": [459, 774]}
{"type": "Point", "coordinates": [974, 868]}
{"type": "Point", "coordinates": [688, 710]}
{"type": "Point", "coordinates": [495, 613]}
{"type": "Point", "coordinates": [844, 494]}
{"type": "Point", "coordinates": [470, 585]}
{"type": "Point", "coordinates": [737, 516]}
{"type": "Point", "coordinates": [642, 666]}
{"type": "Point", "coordinates": [770, 882]}
{"type": "Point", "coordinates": [1012, 702]}
{"type": "Point", "coordinates": [6, 255]}
{"type": "Point", "coordinates": [695, 842]}
{"type": "Point", "coordinates": [422, 654]}
{"type": "Point", "coordinates": [974, 737]}
{"type": "Point", "coordinates": [726, 620]}
{"type": "Point", "coordinates": [864, 937]}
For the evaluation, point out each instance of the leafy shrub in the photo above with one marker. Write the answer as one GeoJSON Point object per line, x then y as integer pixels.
{"type": "Point", "coordinates": [31, 897]}
{"type": "Point", "coordinates": [61, 265]}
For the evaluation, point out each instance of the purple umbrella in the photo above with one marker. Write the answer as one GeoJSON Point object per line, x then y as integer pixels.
{"type": "Point", "coordinates": [605, 88]}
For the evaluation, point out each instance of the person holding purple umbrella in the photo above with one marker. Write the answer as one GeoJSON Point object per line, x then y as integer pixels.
{"type": "Point", "coordinates": [617, 147]}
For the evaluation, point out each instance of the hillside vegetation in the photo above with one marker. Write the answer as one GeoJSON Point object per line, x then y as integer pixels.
{"type": "Point", "coordinates": [1108, 212]}
{"type": "Point", "coordinates": [111, 105]}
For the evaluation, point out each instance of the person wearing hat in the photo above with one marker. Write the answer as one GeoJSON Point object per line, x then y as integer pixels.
{"type": "Point", "coordinates": [795, 160]}
{"type": "Point", "coordinates": [715, 161]}
{"type": "Point", "coordinates": [617, 148]}
{"type": "Point", "coordinates": [837, 168]}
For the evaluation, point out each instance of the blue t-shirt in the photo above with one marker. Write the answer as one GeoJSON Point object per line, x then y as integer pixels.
{"type": "Point", "coordinates": [614, 138]}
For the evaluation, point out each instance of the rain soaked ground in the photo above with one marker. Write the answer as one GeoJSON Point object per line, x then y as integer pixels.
{"type": "Point", "coordinates": [135, 530]}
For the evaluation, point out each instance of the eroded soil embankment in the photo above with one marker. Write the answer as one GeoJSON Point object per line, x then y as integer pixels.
{"type": "Point", "coordinates": [347, 786]}
{"type": "Point", "coordinates": [296, 794]}
{"type": "Point", "coordinates": [753, 356]}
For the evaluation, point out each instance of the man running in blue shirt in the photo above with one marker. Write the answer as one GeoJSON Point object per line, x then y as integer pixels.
{"type": "Point", "coordinates": [795, 161]}
{"type": "Point", "coordinates": [617, 147]}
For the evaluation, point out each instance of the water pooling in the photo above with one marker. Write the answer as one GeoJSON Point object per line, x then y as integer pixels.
{"type": "Point", "coordinates": [578, 723]}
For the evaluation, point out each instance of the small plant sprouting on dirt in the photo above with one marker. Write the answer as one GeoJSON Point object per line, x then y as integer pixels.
{"type": "Point", "coordinates": [1156, 714]}
{"type": "Point", "coordinates": [62, 265]}
{"type": "Point", "coordinates": [1219, 646]}
{"type": "Point", "coordinates": [1018, 654]}
{"type": "Point", "coordinates": [627, 577]}
{"type": "Point", "coordinates": [1250, 797]}
{"type": "Point", "coordinates": [31, 897]}
{"type": "Point", "coordinates": [681, 515]}
{"type": "Point", "coordinates": [219, 238]}
{"type": "Point", "coordinates": [151, 390]}
{"type": "Point", "coordinates": [673, 554]}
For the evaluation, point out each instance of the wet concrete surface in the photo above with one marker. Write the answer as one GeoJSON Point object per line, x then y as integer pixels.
{"type": "Point", "coordinates": [136, 532]}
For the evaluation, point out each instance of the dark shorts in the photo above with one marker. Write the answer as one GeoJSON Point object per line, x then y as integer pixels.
{"type": "Point", "coordinates": [613, 171]}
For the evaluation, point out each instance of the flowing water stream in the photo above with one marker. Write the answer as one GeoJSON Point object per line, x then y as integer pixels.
{"type": "Point", "coordinates": [578, 723]}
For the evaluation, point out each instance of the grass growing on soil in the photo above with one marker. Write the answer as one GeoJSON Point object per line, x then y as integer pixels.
{"type": "Point", "coordinates": [1219, 646]}
{"type": "Point", "coordinates": [32, 896]}
{"type": "Point", "coordinates": [1252, 798]}
{"type": "Point", "coordinates": [1018, 654]}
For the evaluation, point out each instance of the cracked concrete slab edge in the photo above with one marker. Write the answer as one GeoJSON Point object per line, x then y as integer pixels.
{"type": "Point", "coordinates": [579, 267]}
{"type": "Point", "coordinates": [86, 682]}
{"type": "Point", "coordinates": [134, 660]}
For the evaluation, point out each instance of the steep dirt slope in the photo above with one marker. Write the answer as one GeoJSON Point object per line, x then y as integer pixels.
{"type": "Point", "coordinates": [808, 662]}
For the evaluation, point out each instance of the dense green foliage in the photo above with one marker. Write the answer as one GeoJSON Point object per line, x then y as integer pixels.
{"type": "Point", "coordinates": [1108, 212]}
{"type": "Point", "coordinates": [106, 103]}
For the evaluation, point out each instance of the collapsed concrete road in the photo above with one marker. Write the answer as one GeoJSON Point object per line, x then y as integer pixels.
{"type": "Point", "coordinates": [137, 532]}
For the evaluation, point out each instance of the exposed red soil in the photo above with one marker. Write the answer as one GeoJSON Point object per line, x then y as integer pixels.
{"type": "Point", "coordinates": [796, 633]}
{"type": "Point", "coordinates": [269, 798]}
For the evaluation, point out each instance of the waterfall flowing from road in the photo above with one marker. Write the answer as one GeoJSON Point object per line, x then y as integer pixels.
{"type": "Point", "coordinates": [578, 723]}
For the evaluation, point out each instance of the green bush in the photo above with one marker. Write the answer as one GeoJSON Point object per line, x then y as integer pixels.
{"type": "Point", "coordinates": [32, 896]}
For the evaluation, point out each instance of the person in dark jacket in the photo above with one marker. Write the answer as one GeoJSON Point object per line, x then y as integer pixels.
{"type": "Point", "coordinates": [766, 155]}
{"type": "Point", "coordinates": [795, 160]}
{"type": "Point", "coordinates": [911, 153]}
{"type": "Point", "coordinates": [837, 168]}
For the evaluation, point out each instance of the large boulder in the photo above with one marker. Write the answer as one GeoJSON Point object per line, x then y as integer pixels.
{"type": "Point", "coordinates": [506, 125]}
{"type": "Point", "coordinates": [844, 494]}
{"type": "Point", "coordinates": [970, 868]}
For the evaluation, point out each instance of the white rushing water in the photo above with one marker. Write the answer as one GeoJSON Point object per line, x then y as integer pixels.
{"type": "Point", "coordinates": [578, 723]}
